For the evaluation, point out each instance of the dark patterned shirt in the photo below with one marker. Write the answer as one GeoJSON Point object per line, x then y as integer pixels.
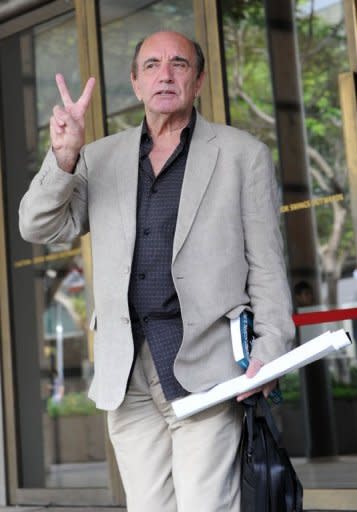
{"type": "Point", "coordinates": [154, 305]}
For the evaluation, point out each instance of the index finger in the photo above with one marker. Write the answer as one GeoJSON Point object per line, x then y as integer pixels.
{"type": "Point", "coordinates": [63, 90]}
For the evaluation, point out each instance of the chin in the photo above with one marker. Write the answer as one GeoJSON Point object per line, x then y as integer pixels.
{"type": "Point", "coordinates": [164, 111]}
{"type": "Point", "coordinates": [166, 107]}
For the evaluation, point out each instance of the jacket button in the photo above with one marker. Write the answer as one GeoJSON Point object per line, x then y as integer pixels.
{"type": "Point", "coordinates": [146, 319]}
{"type": "Point", "coordinates": [142, 275]}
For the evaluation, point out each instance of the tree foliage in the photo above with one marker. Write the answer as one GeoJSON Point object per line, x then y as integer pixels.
{"type": "Point", "coordinates": [323, 55]}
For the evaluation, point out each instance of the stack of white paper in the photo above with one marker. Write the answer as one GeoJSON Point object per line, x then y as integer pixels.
{"type": "Point", "coordinates": [304, 354]}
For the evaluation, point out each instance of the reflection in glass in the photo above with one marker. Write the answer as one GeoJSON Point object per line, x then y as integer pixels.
{"type": "Point", "coordinates": [56, 51]}
{"type": "Point", "coordinates": [323, 55]}
{"type": "Point", "coordinates": [73, 428]}
{"type": "Point", "coordinates": [250, 94]}
{"type": "Point", "coordinates": [323, 48]}
{"type": "Point", "coordinates": [49, 301]}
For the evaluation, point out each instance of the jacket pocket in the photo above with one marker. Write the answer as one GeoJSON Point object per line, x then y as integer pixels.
{"type": "Point", "coordinates": [235, 312]}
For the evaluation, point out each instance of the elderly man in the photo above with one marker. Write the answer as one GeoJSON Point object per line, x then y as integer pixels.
{"type": "Point", "coordinates": [185, 235]}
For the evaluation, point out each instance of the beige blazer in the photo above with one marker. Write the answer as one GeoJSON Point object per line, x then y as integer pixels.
{"type": "Point", "coordinates": [227, 251]}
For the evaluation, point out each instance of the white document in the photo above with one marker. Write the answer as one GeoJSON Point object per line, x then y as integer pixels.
{"type": "Point", "coordinates": [236, 339]}
{"type": "Point", "coordinates": [298, 357]}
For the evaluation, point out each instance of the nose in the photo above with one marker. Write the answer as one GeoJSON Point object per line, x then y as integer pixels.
{"type": "Point", "coordinates": [166, 72]}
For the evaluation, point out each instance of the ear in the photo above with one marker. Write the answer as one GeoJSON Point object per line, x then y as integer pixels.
{"type": "Point", "coordinates": [135, 86]}
{"type": "Point", "coordinates": [199, 83]}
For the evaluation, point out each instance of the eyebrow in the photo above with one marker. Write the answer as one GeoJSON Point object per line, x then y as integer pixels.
{"type": "Point", "coordinates": [176, 58]}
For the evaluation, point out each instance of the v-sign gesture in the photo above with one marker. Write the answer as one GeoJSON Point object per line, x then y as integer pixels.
{"type": "Point", "coordinates": [67, 124]}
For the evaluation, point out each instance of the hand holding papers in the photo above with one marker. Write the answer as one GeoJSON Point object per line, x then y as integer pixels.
{"type": "Point", "coordinates": [304, 354]}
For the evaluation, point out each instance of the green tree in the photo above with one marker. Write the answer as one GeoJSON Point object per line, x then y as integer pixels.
{"type": "Point", "coordinates": [323, 55]}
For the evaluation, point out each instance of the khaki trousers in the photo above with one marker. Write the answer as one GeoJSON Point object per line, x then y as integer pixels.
{"type": "Point", "coordinates": [168, 465]}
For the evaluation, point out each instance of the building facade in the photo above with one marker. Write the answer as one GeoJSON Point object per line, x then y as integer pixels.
{"type": "Point", "coordinates": [284, 71]}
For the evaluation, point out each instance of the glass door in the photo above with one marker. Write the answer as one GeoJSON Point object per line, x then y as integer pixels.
{"type": "Point", "coordinates": [60, 447]}
{"type": "Point", "coordinates": [57, 446]}
{"type": "Point", "coordinates": [325, 297]}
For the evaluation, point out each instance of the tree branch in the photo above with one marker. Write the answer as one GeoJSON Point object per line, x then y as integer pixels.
{"type": "Point", "coordinates": [323, 43]}
{"type": "Point", "coordinates": [337, 228]}
{"type": "Point", "coordinates": [316, 174]}
{"type": "Point", "coordinates": [262, 115]}
{"type": "Point", "coordinates": [312, 152]}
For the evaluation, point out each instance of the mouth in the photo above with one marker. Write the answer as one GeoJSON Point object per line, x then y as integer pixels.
{"type": "Point", "coordinates": [165, 92]}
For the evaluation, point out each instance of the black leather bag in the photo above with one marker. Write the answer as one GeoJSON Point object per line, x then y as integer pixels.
{"type": "Point", "coordinates": [268, 480]}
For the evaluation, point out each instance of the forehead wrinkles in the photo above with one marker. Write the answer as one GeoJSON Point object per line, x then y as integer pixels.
{"type": "Point", "coordinates": [166, 50]}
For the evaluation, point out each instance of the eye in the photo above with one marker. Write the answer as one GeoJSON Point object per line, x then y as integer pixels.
{"type": "Point", "coordinates": [150, 65]}
{"type": "Point", "coordinates": [180, 65]}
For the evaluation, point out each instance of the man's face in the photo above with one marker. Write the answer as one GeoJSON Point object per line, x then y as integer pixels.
{"type": "Point", "coordinates": [166, 79]}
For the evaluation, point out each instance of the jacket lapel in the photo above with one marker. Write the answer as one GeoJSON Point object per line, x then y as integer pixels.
{"type": "Point", "coordinates": [200, 165]}
{"type": "Point", "coordinates": [127, 180]}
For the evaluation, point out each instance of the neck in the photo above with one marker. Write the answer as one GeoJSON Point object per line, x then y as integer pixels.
{"type": "Point", "coordinates": [170, 125]}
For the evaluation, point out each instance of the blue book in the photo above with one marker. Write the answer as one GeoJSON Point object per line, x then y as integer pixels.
{"type": "Point", "coordinates": [242, 334]}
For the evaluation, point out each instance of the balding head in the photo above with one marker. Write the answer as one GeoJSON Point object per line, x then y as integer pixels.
{"type": "Point", "coordinates": [200, 59]}
{"type": "Point", "coordinates": [166, 77]}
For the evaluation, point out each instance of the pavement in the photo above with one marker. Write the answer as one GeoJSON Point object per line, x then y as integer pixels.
{"type": "Point", "coordinates": [315, 475]}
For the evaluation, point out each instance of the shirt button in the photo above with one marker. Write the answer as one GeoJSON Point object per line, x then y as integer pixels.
{"type": "Point", "coordinates": [147, 231]}
{"type": "Point", "coordinates": [142, 276]}
{"type": "Point", "coordinates": [125, 320]}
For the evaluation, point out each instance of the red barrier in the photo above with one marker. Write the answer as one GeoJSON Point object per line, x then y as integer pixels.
{"type": "Point", "coordinates": [322, 317]}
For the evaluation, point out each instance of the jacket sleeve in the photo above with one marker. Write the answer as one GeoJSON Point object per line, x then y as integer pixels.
{"type": "Point", "coordinates": [54, 209]}
{"type": "Point", "coordinates": [267, 283]}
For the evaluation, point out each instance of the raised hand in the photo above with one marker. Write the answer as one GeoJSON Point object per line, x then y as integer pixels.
{"type": "Point", "coordinates": [67, 124]}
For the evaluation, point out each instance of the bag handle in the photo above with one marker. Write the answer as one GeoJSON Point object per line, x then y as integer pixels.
{"type": "Point", "coordinates": [251, 404]}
